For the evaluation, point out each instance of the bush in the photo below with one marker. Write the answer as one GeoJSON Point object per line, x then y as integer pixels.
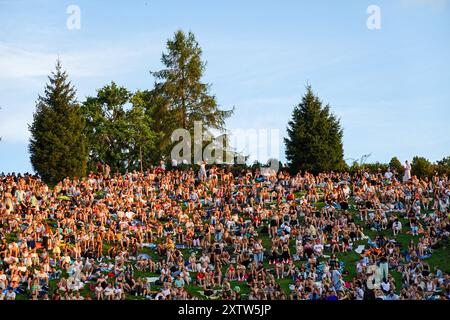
{"type": "Point", "coordinates": [421, 167]}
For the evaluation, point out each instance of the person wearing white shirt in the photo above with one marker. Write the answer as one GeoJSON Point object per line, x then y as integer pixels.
{"type": "Point", "coordinates": [3, 280]}
{"type": "Point", "coordinates": [388, 174]}
{"type": "Point", "coordinates": [318, 249]}
{"type": "Point", "coordinates": [359, 293]}
{"type": "Point", "coordinates": [391, 296]}
{"type": "Point", "coordinates": [10, 295]}
{"type": "Point", "coordinates": [407, 175]}
{"type": "Point", "coordinates": [385, 286]}
{"type": "Point", "coordinates": [108, 292]}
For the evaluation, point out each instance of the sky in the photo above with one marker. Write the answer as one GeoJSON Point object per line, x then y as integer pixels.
{"type": "Point", "coordinates": [389, 86]}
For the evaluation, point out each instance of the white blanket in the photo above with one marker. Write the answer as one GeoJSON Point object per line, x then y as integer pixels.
{"type": "Point", "coordinates": [360, 249]}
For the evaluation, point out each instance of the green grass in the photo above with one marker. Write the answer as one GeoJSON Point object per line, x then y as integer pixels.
{"type": "Point", "coordinates": [441, 258]}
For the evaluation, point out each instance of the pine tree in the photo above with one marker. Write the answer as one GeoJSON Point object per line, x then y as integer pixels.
{"type": "Point", "coordinates": [180, 96]}
{"type": "Point", "coordinates": [155, 108]}
{"type": "Point", "coordinates": [314, 141]}
{"type": "Point", "coordinates": [57, 144]}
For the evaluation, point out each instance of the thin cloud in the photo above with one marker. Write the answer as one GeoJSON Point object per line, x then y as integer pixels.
{"type": "Point", "coordinates": [17, 62]}
{"type": "Point", "coordinates": [15, 129]}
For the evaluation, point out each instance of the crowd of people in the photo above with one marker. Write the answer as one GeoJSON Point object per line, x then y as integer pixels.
{"type": "Point", "coordinates": [180, 234]}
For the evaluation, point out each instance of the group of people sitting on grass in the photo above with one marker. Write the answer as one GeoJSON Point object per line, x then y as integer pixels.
{"type": "Point", "coordinates": [180, 234]}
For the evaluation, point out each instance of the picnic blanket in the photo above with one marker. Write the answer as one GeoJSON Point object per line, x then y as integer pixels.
{"type": "Point", "coordinates": [143, 256]}
{"type": "Point", "coordinates": [360, 249]}
{"type": "Point", "coordinates": [152, 279]}
{"type": "Point", "coordinates": [149, 245]}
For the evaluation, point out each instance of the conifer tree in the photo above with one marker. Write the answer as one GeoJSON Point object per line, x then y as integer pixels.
{"type": "Point", "coordinates": [57, 144]}
{"type": "Point", "coordinates": [314, 141]}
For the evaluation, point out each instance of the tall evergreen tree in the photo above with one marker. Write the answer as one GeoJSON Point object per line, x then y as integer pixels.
{"type": "Point", "coordinates": [188, 98]}
{"type": "Point", "coordinates": [155, 107]}
{"type": "Point", "coordinates": [314, 141]}
{"type": "Point", "coordinates": [180, 96]}
{"type": "Point", "coordinates": [58, 144]}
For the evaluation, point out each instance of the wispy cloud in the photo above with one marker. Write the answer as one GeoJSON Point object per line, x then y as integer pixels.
{"type": "Point", "coordinates": [15, 129]}
{"type": "Point", "coordinates": [18, 62]}
{"type": "Point", "coordinates": [23, 69]}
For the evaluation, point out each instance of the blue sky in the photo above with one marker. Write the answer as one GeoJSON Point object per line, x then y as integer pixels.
{"type": "Point", "coordinates": [390, 87]}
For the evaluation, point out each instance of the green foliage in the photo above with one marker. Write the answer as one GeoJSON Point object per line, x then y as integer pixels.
{"type": "Point", "coordinates": [179, 84]}
{"type": "Point", "coordinates": [421, 167]}
{"type": "Point", "coordinates": [256, 165]}
{"type": "Point", "coordinates": [57, 144]}
{"type": "Point", "coordinates": [442, 167]}
{"type": "Point", "coordinates": [124, 129]}
{"type": "Point", "coordinates": [118, 127]}
{"type": "Point", "coordinates": [106, 126]}
{"type": "Point", "coordinates": [141, 137]}
{"type": "Point", "coordinates": [156, 111]}
{"type": "Point", "coordinates": [354, 168]}
{"type": "Point", "coordinates": [375, 167]}
{"type": "Point", "coordinates": [180, 97]}
{"type": "Point", "coordinates": [314, 140]}
{"type": "Point", "coordinates": [396, 166]}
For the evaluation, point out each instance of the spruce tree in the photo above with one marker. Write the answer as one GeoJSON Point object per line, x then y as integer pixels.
{"type": "Point", "coordinates": [57, 144]}
{"type": "Point", "coordinates": [314, 141]}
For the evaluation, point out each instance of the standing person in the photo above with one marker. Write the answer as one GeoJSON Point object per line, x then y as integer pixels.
{"type": "Point", "coordinates": [258, 251]}
{"type": "Point", "coordinates": [336, 278]}
{"type": "Point", "coordinates": [202, 173]}
{"type": "Point", "coordinates": [10, 294]}
{"type": "Point", "coordinates": [384, 267]}
{"type": "Point", "coordinates": [107, 171]}
{"type": "Point", "coordinates": [369, 293]}
{"type": "Point", "coordinates": [407, 175]}
{"type": "Point", "coordinates": [162, 165]}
